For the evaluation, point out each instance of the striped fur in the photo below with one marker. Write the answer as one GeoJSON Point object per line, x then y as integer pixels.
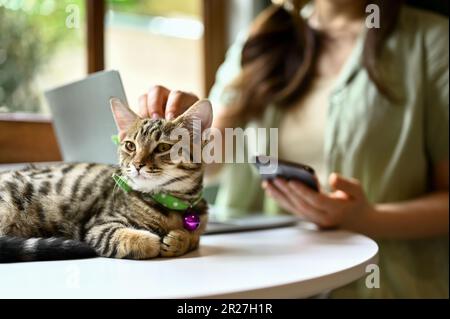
{"type": "Point", "coordinates": [75, 210]}
{"type": "Point", "coordinates": [14, 249]}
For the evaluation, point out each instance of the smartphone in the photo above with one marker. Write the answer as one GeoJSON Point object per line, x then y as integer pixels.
{"type": "Point", "coordinates": [289, 171]}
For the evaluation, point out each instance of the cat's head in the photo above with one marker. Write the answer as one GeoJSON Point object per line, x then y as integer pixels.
{"type": "Point", "coordinates": [147, 147]}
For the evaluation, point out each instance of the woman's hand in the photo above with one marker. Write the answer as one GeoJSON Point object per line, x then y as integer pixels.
{"type": "Point", "coordinates": [346, 207]}
{"type": "Point", "coordinates": [160, 102]}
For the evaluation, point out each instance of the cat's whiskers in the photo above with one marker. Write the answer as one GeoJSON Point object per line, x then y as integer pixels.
{"type": "Point", "coordinates": [165, 174]}
{"type": "Point", "coordinates": [115, 188]}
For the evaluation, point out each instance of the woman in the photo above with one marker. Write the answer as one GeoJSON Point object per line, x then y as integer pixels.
{"type": "Point", "coordinates": [366, 107]}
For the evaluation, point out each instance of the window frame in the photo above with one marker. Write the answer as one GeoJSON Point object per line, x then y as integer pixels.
{"type": "Point", "coordinates": [214, 17]}
{"type": "Point", "coordinates": [95, 35]}
{"type": "Point", "coordinates": [215, 38]}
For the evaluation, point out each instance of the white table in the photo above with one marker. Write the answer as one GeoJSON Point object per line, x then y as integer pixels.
{"type": "Point", "coordinates": [291, 262]}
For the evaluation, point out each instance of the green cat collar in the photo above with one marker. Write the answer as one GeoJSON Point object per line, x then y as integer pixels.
{"type": "Point", "coordinates": [174, 203]}
{"type": "Point", "coordinates": [166, 200]}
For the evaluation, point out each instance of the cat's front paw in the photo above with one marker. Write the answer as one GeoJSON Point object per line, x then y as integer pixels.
{"type": "Point", "coordinates": [175, 243]}
{"type": "Point", "coordinates": [137, 244]}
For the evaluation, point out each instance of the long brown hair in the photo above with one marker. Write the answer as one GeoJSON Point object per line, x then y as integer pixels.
{"type": "Point", "coordinates": [278, 58]}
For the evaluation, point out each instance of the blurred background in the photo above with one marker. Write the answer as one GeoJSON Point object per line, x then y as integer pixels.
{"type": "Point", "coordinates": [47, 43]}
{"type": "Point", "coordinates": [44, 44]}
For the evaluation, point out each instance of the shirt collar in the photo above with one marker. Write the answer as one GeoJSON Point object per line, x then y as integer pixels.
{"type": "Point", "coordinates": [353, 63]}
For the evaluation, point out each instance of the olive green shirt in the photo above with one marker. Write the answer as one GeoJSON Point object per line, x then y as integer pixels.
{"type": "Point", "coordinates": [388, 146]}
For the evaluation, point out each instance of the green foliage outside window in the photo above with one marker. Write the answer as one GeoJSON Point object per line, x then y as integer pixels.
{"type": "Point", "coordinates": [157, 7]}
{"type": "Point", "coordinates": [31, 32]}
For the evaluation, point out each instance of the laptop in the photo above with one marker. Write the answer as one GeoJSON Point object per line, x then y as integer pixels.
{"type": "Point", "coordinates": [84, 125]}
{"type": "Point", "coordinates": [82, 117]}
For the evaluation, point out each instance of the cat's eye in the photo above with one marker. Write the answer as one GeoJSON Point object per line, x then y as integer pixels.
{"type": "Point", "coordinates": [129, 146]}
{"type": "Point", "coordinates": [163, 147]}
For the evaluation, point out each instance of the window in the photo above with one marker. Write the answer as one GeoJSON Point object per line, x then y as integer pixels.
{"type": "Point", "coordinates": [48, 43]}
{"type": "Point", "coordinates": [42, 45]}
{"type": "Point", "coordinates": [155, 42]}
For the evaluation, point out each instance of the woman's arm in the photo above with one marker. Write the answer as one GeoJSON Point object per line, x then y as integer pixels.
{"type": "Point", "coordinates": [425, 216]}
{"type": "Point", "coordinates": [422, 217]}
{"type": "Point", "coordinates": [348, 208]}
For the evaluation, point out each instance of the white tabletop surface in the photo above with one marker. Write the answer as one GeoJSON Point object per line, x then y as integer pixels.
{"type": "Point", "coordinates": [291, 262]}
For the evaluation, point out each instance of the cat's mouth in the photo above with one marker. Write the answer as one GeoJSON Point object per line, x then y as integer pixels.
{"type": "Point", "coordinates": [148, 173]}
{"type": "Point", "coordinates": [144, 174]}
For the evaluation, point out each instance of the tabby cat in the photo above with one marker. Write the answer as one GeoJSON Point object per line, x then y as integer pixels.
{"type": "Point", "coordinates": [78, 210]}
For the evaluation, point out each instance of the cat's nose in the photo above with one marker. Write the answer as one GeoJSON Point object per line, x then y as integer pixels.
{"type": "Point", "coordinates": [138, 166]}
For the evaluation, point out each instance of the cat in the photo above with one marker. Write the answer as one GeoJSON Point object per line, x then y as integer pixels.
{"type": "Point", "coordinates": [78, 210]}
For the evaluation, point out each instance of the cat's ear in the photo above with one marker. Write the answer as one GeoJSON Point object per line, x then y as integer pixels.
{"type": "Point", "coordinates": [122, 114]}
{"type": "Point", "coordinates": [202, 111]}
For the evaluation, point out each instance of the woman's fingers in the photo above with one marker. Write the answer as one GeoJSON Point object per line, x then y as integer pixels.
{"type": "Point", "coordinates": [273, 192]}
{"type": "Point", "coordinates": [156, 101]}
{"type": "Point", "coordinates": [178, 102]}
{"type": "Point", "coordinates": [327, 211]}
{"type": "Point", "coordinates": [331, 206]}
{"type": "Point", "coordinates": [152, 103]}
{"type": "Point", "coordinates": [142, 110]}
{"type": "Point", "coordinates": [160, 102]}
{"type": "Point", "coordinates": [315, 199]}
{"type": "Point", "coordinates": [349, 186]}
{"type": "Point", "coordinates": [308, 211]}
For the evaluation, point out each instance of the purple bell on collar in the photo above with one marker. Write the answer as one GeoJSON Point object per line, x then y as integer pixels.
{"type": "Point", "coordinates": [191, 221]}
